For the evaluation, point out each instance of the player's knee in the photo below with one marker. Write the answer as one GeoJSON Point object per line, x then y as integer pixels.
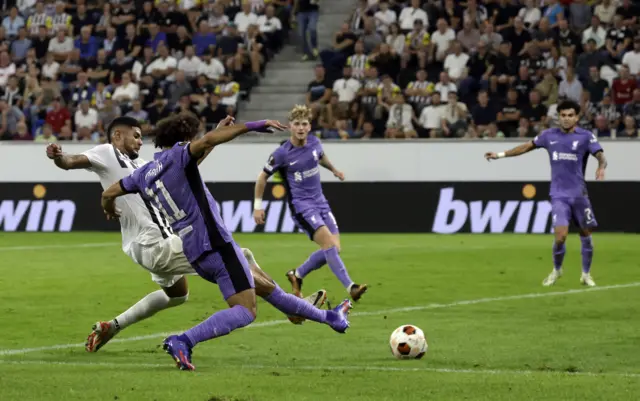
{"type": "Point", "coordinates": [175, 301]}
{"type": "Point", "coordinates": [561, 237]}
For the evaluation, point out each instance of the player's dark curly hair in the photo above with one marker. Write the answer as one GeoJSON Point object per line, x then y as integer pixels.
{"type": "Point", "coordinates": [568, 105]}
{"type": "Point", "coordinates": [181, 127]}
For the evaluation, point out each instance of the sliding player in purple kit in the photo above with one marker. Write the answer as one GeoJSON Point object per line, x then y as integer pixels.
{"type": "Point", "coordinates": [172, 182]}
{"type": "Point", "coordinates": [298, 160]}
{"type": "Point", "coordinates": [569, 148]}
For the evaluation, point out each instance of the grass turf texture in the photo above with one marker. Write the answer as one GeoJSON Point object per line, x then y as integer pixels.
{"type": "Point", "coordinates": [579, 345]}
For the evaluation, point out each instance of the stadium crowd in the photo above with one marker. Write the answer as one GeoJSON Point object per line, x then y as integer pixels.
{"type": "Point", "coordinates": [478, 69]}
{"type": "Point", "coordinates": [67, 69]}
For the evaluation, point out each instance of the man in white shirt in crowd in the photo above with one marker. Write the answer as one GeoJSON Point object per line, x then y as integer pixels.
{"type": "Point", "coordinates": [61, 46]}
{"type": "Point", "coordinates": [409, 14]}
{"type": "Point", "coordinates": [384, 17]}
{"type": "Point", "coordinates": [128, 91]}
{"type": "Point", "coordinates": [595, 32]}
{"type": "Point", "coordinates": [163, 67]}
{"type": "Point", "coordinates": [211, 67]}
{"type": "Point", "coordinates": [431, 117]}
{"type": "Point", "coordinates": [190, 63]}
{"type": "Point", "coordinates": [86, 121]}
{"type": "Point", "coordinates": [632, 58]}
{"type": "Point", "coordinates": [455, 64]}
{"type": "Point", "coordinates": [245, 17]}
{"type": "Point", "coordinates": [346, 88]}
{"type": "Point", "coordinates": [444, 86]}
{"type": "Point", "coordinates": [441, 40]}
{"type": "Point", "coordinates": [7, 68]}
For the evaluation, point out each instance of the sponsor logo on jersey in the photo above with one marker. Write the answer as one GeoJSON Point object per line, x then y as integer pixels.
{"type": "Point", "coordinates": [494, 216]}
{"type": "Point", "coordinates": [555, 156]}
{"type": "Point", "coordinates": [37, 215]}
{"type": "Point", "coordinates": [154, 171]}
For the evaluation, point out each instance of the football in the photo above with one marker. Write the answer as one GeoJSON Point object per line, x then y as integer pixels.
{"type": "Point", "coordinates": [408, 342]}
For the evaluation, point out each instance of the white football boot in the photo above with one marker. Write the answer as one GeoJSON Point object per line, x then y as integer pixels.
{"type": "Point", "coordinates": [552, 277]}
{"type": "Point", "coordinates": [585, 279]}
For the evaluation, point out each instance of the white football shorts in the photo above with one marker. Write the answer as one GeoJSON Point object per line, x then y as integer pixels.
{"type": "Point", "coordinates": [164, 260]}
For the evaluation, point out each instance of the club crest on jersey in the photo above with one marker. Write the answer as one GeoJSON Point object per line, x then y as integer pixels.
{"type": "Point", "coordinates": [574, 145]}
{"type": "Point", "coordinates": [315, 155]}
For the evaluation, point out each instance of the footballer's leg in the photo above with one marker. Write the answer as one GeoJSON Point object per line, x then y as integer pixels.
{"type": "Point", "coordinates": [328, 237]}
{"type": "Point", "coordinates": [174, 292]}
{"type": "Point", "coordinates": [586, 220]}
{"type": "Point", "coordinates": [295, 308]}
{"type": "Point", "coordinates": [228, 268]}
{"type": "Point", "coordinates": [315, 261]}
{"type": "Point", "coordinates": [561, 214]}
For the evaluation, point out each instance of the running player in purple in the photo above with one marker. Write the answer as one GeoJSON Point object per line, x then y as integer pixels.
{"type": "Point", "coordinates": [172, 182]}
{"type": "Point", "coordinates": [569, 148]}
{"type": "Point", "coordinates": [298, 160]}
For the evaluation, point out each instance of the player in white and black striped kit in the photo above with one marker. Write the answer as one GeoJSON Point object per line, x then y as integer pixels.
{"type": "Point", "coordinates": [147, 238]}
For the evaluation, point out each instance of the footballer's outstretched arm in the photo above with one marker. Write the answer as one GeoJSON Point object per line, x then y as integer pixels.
{"type": "Point", "coordinates": [326, 163]}
{"type": "Point", "coordinates": [225, 134]}
{"type": "Point", "coordinates": [228, 121]}
{"type": "Point", "coordinates": [66, 162]}
{"type": "Point", "coordinates": [517, 151]}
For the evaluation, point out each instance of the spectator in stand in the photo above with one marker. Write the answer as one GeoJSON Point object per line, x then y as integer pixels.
{"type": "Point", "coordinates": [455, 64]}
{"type": "Point", "coordinates": [632, 58]}
{"type": "Point", "coordinates": [41, 42]}
{"type": "Point", "coordinates": [468, 36]}
{"type": "Point", "coordinates": [127, 91]}
{"type": "Point", "coordinates": [441, 41]}
{"type": "Point", "coordinates": [20, 46]}
{"type": "Point", "coordinates": [384, 17]}
{"type": "Point", "coordinates": [565, 38]}
{"type": "Point", "coordinates": [444, 86]}
{"type": "Point", "coordinates": [204, 40]}
{"type": "Point", "coordinates": [618, 40]}
{"type": "Point", "coordinates": [548, 88]}
{"type": "Point", "coordinates": [156, 37]}
{"type": "Point", "coordinates": [596, 33]}
{"type": "Point", "coordinates": [623, 87]}
{"type": "Point", "coordinates": [181, 87]}
{"type": "Point", "coordinates": [271, 27]}
{"type": "Point", "coordinates": [395, 39]}
{"type": "Point", "coordinates": [58, 117]}
{"type": "Point", "coordinates": [190, 64]}
{"type": "Point", "coordinates": [410, 14]}
{"type": "Point", "coordinates": [629, 12]}
{"type": "Point", "coordinates": [163, 67]}
{"type": "Point", "coordinates": [610, 112]}
{"type": "Point", "coordinates": [80, 91]}
{"type": "Point", "coordinates": [453, 14]}
{"type": "Point", "coordinates": [12, 23]}
{"type": "Point", "coordinates": [87, 44]}
{"type": "Point", "coordinates": [570, 87]}
{"type": "Point", "coordinates": [211, 67]}
{"type": "Point", "coordinates": [523, 85]}
{"type": "Point", "coordinates": [38, 19]}
{"type": "Point", "coordinates": [491, 38]}
{"type": "Point", "coordinates": [633, 107]}
{"type": "Point", "coordinates": [46, 135]}
{"type": "Point", "coordinates": [370, 38]}
{"type": "Point", "coordinates": [319, 90]}
{"type": "Point", "coordinates": [508, 117]}
{"type": "Point", "coordinates": [245, 18]}
{"type": "Point", "coordinates": [142, 116]}
{"type": "Point", "coordinates": [343, 46]}
{"type": "Point", "coordinates": [346, 88]}
{"type": "Point", "coordinates": [228, 90]}
{"type": "Point", "coordinates": [580, 15]}
{"type": "Point", "coordinates": [82, 19]}
{"type": "Point", "coordinates": [416, 46]}
{"type": "Point", "coordinates": [7, 68]}
{"type": "Point", "coordinates": [518, 36]}
{"type": "Point", "coordinates": [454, 117]}
{"type": "Point", "coordinates": [630, 128]}
{"type": "Point", "coordinates": [475, 13]}
{"type": "Point", "coordinates": [602, 129]}
{"type": "Point", "coordinates": [530, 14]}
{"type": "Point", "coordinates": [213, 114]}
{"type": "Point", "coordinates": [596, 86]}
{"type": "Point", "coordinates": [431, 118]}
{"type": "Point", "coordinates": [86, 122]}
{"type": "Point", "coordinates": [419, 92]}
{"type": "Point", "coordinates": [482, 115]}
{"type": "Point", "coordinates": [401, 118]}
{"type": "Point", "coordinates": [536, 113]}
{"type": "Point", "coordinates": [605, 11]}
{"type": "Point", "coordinates": [589, 58]}
{"type": "Point", "coordinates": [61, 46]}
{"type": "Point", "coordinates": [10, 117]}
{"type": "Point", "coordinates": [307, 12]}
{"type": "Point", "coordinates": [61, 21]}
{"type": "Point", "coordinates": [479, 69]}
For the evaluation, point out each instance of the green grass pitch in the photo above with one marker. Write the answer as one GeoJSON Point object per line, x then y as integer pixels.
{"type": "Point", "coordinates": [494, 332]}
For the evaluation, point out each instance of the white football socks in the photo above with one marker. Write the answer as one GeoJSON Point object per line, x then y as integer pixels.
{"type": "Point", "coordinates": [146, 307]}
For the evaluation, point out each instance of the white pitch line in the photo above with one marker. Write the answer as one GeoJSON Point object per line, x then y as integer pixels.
{"type": "Point", "coordinates": [57, 246]}
{"type": "Point", "coordinates": [355, 314]}
{"type": "Point", "coordinates": [497, 372]}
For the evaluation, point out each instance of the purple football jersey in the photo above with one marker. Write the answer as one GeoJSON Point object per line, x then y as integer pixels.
{"type": "Point", "coordinates": [300, 170]}
{"type": "Point", "coordinates": [568, 155]}
{"type": "Point", "coordinates": [172, 182]}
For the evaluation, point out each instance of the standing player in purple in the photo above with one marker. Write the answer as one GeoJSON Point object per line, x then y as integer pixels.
{"type": "Point", "coordinates": [298, 160]}
{"type": "Point", "coordinates": [569, 148]}
{"type": "Point", "coordinates": [172, 182]}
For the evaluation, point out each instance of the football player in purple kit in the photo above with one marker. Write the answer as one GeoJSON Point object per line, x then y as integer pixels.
{"type": "Point", "coordinates": [569, 147]}
{"type": "Point", "coordinates": [298, 160]}
{"type": "Point", "coordinates": [172, 182]}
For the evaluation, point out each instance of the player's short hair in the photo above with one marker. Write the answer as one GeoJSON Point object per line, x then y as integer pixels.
{"type": "Point", "coordinates": [568, 105]}
{"type": "Point", "coordinates": [300, 112]}
{"type": "Point", "coordinates": [128, 122]}
{"type": "Point", "coordinates": [181, 127]}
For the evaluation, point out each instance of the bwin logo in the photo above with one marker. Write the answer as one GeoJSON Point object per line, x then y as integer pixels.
{"type": "Point", "coordinates": [37, 215]}
{"type": "Point", "coordinates": [492, 216]}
